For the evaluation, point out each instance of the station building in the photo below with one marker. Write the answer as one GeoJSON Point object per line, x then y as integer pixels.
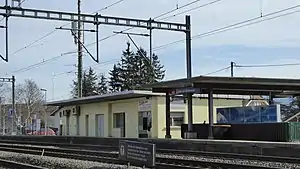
{"type": "Point", "coordinates": [132, 114]}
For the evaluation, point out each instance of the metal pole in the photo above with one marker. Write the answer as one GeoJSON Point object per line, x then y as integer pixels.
{"type": "Point", "coordinates": [150, 33]}
{"type": "Point", "coordinates": [168, 133]}
{"type": "Point", "coordinates": [13, 103]}
{"type": "Point", "coordinates": [97, 38]}
{"type": "Point", "coordinates": [6, 31]}
{"type": "Point", "coordinates": [151, 55]}
{"type": "Point", "coordinates": [53, 88]}
{"type": "Point", "coordinates": [79, 71]}
{"type": "Point", "coordinates": [46, 117]}
{"type": "Point", "coordinates": [231, 68]}
{"type": "Point", "coordinates": [211, 113]}
{"type": "Point", "coordinates": [189, 71]}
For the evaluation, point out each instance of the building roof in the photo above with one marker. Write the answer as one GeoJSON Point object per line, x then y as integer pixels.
{"type": "Point", "coordinates": [127, 95]}
{"type": "Point", "coordinates": [232, 85]}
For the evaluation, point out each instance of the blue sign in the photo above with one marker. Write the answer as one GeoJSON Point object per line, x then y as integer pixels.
{"type": "Point", "coordinates": [251, 114]}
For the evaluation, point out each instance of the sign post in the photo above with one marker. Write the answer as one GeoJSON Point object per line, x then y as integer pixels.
{"type": "Point", "coordinates": [137, 153]}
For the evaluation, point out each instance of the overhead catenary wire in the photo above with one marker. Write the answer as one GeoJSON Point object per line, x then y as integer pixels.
{"type": "Point", "coordinates": [189, 10]}
{"type": "Point", "coordinates": [227, 28]}
{"type": "Point", "coordinates": [110, 36]}
{"type": "Point", "coordinates": [267, 65]}
{"type": "Point", "coordinates": [156, 17]}
{"type": "Point", "coordinates": [234, 26]}
{"type": "Point", "coordinates": [217, 71]}
{"type": "Point", "coordinates": [87, 67]}
{"type": "Point", "coordinates": [253, 66]}
{"type": "Point", "coordinates": [177, 8]}
{"type": "Point", "coordinates": [55, 30]}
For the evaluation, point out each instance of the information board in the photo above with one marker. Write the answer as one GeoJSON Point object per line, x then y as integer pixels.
{"type": "Point", "coordinates": [141, 154]}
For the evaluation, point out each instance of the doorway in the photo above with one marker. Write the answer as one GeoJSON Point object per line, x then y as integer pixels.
{"type": "Point", "coordinates": [67, 125]}
{"type": "Point", "coordinates": [87, 125]}
{"type": "Point", "coordinates": [99, 125]}
{"type": "Point", "coordinates": [145, 124]}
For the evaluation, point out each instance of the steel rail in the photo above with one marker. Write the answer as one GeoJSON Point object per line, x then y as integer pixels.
{"type": "Point", "coordinates": [109, 157]}
{"type": "Point", "coordinates": [106, 148]}
{"type": "Point", "coordinates": [17, 165]}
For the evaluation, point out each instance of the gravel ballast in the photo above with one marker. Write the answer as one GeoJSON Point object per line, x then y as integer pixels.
{"type": "Point", "coordinates": [57, 163]}
{"type": "Point", "coordinates": [233, 161]}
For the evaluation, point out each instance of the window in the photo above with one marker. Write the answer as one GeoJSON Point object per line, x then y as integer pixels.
{"type": "Point", "coordinates": [118, 120]}
{"type": "Point", "coordinates": [176, 118]}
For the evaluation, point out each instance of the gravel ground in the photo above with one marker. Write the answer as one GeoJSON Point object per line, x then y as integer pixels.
{"type": "Point", "coordinates": [234, 161]}
{"type": "Point", "coordinates": [57, 163]}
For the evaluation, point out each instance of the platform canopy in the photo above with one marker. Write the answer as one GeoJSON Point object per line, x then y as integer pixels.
{"type": "Point", "coordinates": [232, 85]}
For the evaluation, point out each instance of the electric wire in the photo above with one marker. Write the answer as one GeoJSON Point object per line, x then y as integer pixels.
{"type": "Point", "coordinates": [267, 65]}
{"type": "Point", "coordinates": [189, 10]}
{"type": "Point", "coordinates": [233, 26]}
{"type": "Point", "coordinates": [87, 67]}
{"type": "Point", "coordinates": [183, 6]}
{"type": "Point", "coordinates": [253, 66]}
{"type": "Point", "coordinates": [55, 30]}
{"type": "Point", "coordinates": [39, 63]}
{"type": "Point", "coordinates": [217, 71]}
{"type": "Point", "coordinates": [110, 36]}
{"type": "Point", "coordinates": [220, 30]}
{"type": "Point", "coordinates": [158, 16]}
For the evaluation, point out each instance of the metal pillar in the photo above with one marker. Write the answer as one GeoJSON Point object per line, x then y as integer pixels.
{"type": "Point", "coordinates": [210, 113]}
{"type": "Point", "coordinates": [231, 68]}
{"type": "Point", "coordinates": [168, 108]}
{"type": "Point", "coordinates": [270, 98]}
{"type": "Point", "coordinates": [79, 66]}
{"type": "Point", "coordinates": [13, 103]}
{"type": "Point", "coordinates": [189, 72]}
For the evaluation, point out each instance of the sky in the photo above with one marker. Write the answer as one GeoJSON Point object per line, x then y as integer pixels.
{"type": "Point", "coordinates": [269, 42]}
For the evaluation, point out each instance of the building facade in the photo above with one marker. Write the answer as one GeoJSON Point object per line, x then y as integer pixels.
{"type": "Point", "coordinates": [132, 114]}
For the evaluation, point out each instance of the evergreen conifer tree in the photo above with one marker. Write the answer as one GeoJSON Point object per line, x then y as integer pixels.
{"type": "Point", "coordinates": [134, 70]}
{"type": "Point", "coordinates": [115, 82]}
{"type": "Point", "coordinates": [102, 85]}
{"type": "Point", "coordinates": [89, 84]}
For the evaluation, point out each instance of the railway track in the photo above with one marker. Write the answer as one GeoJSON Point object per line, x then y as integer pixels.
{"type": "Point", "coordinates": [112, 157]}
{"type": "Point", "coordinates": [17, 165]}
{"type": "Point", "coordinates": [108, 149]}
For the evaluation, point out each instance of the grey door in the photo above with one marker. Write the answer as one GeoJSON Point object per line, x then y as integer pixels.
{"type": "Point", "coordinates": [87, 125]}
{"type": "Point", "coordinates": [99, 125]}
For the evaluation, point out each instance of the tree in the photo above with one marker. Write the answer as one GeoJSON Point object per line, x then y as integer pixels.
{"type": "Point", "coordinates": [89, 84]}
{"type": "Point", "coordinates": [102, 85]}
{"type": "Point", "coordinates": [3, 90]}
{"type": "Point", "coordinates": [135, 69]}
{"type": "Point", "coordinates": [29, 95]}
{"type": "Point", "coordinates": [128, 69]}
{"type": "Point", "coordinates": [114, 80]}
{"type": "Point", "coordinates": [152, 71]}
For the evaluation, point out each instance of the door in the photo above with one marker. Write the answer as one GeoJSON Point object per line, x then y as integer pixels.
{"type": "Point", "coordinates": [145, 124]}
{"type": "Point", "coordinates": [87, 125]}
{"type": "Point", "coordinates": [99, 125]}
{"type": "Point", "coordinates": [67, 126]}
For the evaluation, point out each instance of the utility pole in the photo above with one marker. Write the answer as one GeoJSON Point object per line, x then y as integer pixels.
{"type": "Point", "coordinates": [79, 66]}
{"type": "Point", "coordinates": [231, 68]}
{"type": "Point", "coordinates": [13, 103]}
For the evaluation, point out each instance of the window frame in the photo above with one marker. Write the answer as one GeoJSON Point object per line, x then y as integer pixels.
{"type": "Point", "coordinates": [118, 116]}
{"type": "Point", "coordinates": [175, 115]}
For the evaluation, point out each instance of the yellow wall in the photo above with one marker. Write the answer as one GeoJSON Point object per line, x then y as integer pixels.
{"type": "Point", "coordinates": [200, 113]}
{"type": "Point", "coordinates": [130, 107]}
